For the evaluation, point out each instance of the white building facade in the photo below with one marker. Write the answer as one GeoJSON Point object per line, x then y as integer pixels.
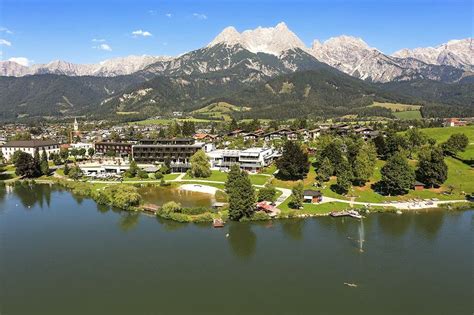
{"type": "Point", "coordinates": [29, 146]}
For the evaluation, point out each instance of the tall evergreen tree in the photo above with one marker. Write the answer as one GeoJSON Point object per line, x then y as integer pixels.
{"type": "Point", "coordinates": [37, 163]}
{"type": "Point", "coordinates": [364, 164]}
{"type": "Point", "coordinates": [344, 176]}
{"type": "Point", "coordinates": [325, 170]}
{"type": "Point", "coordinates": [294, 163]}
{"type": "Point", "coordinates": [297, 196]}
{"type": "Point", "coordinates": [233, 125]}
{"type": "Point", "coordinates": [432, 170]}
{"type": "Point", "coordinates": [44, 166]}
{"type": "Point", "coordinates": [241, 196]}
{"type": "Point", "coordinates": [397, 175]}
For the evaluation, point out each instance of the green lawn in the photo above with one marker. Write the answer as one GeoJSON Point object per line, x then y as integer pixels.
{"type": "Point", "coordinates": [408, 115]}
{"type": "Point", "coordinates": [218, 176]}
{"type": "Point", "coordinates": [396, 106]}
{"type": "Point", "coordinates": [443, 133]}
{"type": "Point", "coordinates": [166, 121]}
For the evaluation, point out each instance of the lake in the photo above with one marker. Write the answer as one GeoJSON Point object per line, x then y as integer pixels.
{"type": "Point", "coordinates": [60, 254]}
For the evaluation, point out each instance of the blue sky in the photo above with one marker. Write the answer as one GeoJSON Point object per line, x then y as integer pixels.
{"type": "Point", "coordinates": [44, 30]}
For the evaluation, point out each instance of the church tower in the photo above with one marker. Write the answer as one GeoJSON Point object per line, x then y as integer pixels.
{"type": "Point", "coordinates": [76, 125]}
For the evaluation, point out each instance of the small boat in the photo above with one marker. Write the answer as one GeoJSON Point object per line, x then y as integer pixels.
{"type": "Point", "coordinates": [217, 223]}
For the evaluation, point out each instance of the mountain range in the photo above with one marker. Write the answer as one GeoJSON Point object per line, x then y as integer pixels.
{"type": "Point", "coordinates": [342, 72]}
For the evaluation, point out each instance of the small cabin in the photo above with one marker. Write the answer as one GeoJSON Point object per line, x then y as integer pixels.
{"type": "Point", "coordinates": [312, 196]}
{"type": "Point", "coordinates": [419, 185]}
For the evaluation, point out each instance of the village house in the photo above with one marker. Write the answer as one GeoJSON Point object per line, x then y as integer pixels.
{"type": "Point", "coordinates": [29, 146]}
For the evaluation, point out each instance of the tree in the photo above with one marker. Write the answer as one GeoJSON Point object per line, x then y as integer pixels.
{"type": "Point", "coordinates": [233, 125]}
{"type": "Point", "coordinates": [15, 156]}
{"type": "Point", "coordinates": [294, 163]}
{"type": "Point", "coordinates": [37, 163]}
{"type": "Point", "coordinates": [267, 193]}
{"type": "Point", "coordinates": [82, 152]}
{"type": "Point", "coordinates": [380, 145]}
{"type": "Point", "coordinates": [44, 166]}
{"type": "Point", "coordinates": [75, 172]}
{"type": "Point", "coordinates": [457, 142]}
{"type": "Point", "coordinates": [232, 176]}
{"type": "Point", "coordinates": [200, 166]}
{"type": "Point", "coordinates": [74, 152]}
{"type": "Point", "coordinates": [25, 165]}
{"type": "Point", "coordinates": [241, 196]}
{"type": "Point", "coordinates": [415, 139]}
{"type": "Point", "coordinates": [364, 164]}
{"type": "Point", "coordinates": [66, 169]}
{"type": "Point", "coordinates": [397, 175]}
{"type": "Point", "coordinates": [64, 154]}
{"type": "Point", "coordinates": [297, 196]}
{"type": "Point", "coordinates": [142, 174]}
{"type": "Point", "coordinates": [325, 170]}
{"type": "Point", "coordinates": [333, 152]}
{"type": "Point", "coordinates": [133, 169]}
{"type": "Point", "coordinates": [395, 143]}
{"type": "Point", "coordinates": [344, 176]}
{"type": "Point", "coordinates": [90, 152]}
{"type": "Point", "coordinates": [432, 170]}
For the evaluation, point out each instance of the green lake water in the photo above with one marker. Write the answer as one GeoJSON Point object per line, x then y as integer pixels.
{"type": "Point", "coordinates": [60, 254]}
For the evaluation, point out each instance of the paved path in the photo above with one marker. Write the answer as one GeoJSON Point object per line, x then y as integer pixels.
{"type": "Point", "coordinates": [398, 205]}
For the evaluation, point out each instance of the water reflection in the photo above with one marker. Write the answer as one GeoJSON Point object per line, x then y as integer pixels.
{"type": "Point", "coordinates": [242, 240]}
{"type": "Point", "coordinates": [102, 208]}
{"type": "Point", "coordinates": [430, 223]}
{"type": "Point", "coordinates": [394, 224]}
{"type": "Point", "coordinates": [30, 195]}
{"type": "Point", "coordinates": [128, 220]}
{"type": "Point", "coordinates": [293, 228]}
{"type": "Point", "coordinates": [170, 225]}
{"type": "Point", "coordinates": [361, 240]}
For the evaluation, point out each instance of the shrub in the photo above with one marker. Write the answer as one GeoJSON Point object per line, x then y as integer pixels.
{"type": "Point", "coordinates": [205, 217]}
{"type": "Point", "coordinates": [170, 207]}
{"type": "Point", "coordinates": [260, 216]}
{"type": "Point", "coordinates": [179, 217]}
{"type": "Point", "coordinates": [194, 211]}
{"type": "Point", "coordinates": [142, 174]}
{"type": "Point", "coordinates": [221, 195]}
{"type": "Point", "coordinates": [159, 175]}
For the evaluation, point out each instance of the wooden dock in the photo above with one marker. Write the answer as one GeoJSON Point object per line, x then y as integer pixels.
{"type": "Point", "coordinates": [150, 208]}
{"type": "Point", "coordinates": [346, 213]}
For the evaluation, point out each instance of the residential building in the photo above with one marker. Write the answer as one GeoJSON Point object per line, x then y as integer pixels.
{"type": "Point", "coordinates": [122, 149]}
{"type": "Point", "coordinates": [29, 146]}
{"type": "Point", "coordinates": [177, 151]}
{"type": "Point", "coordinates": [252, 160]}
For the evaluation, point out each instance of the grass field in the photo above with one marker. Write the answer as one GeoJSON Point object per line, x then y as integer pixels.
{"type": "Point", "coordinates": [401, 111]}
{"type": "Point", "coordinates": [218, 176]}
{"type": "Point", "coordinates": [442, 134]}
{"type": "Point", "coordinates": [220, 110]}
{"type": "Point", "coordinates": [166, 121]}
{"type": "Point", "coordinates": [408, 114]}
{"type": "Point", "coordinates": [396, 107]}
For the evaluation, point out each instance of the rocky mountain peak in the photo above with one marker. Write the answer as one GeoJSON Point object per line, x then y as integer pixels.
{"type": "Point", "coordinates": [270, 40]}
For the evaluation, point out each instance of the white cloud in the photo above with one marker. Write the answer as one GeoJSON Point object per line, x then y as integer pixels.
{"type": "Point", "coordinates": [5, 30]}
{"type": "Point", "coordinates": [103, 47]}
{"type": "Point", "coordinates": [21, 60]}
{"type": "Point", "coordinates": [168, 15]}
{"type": "Point", "coordinates": [200, 16]}
{"type": "Point", "coordinates": [98, 40]}
{"type": "Point", "coordinates": [5, 42]}
{"type": "Point", "coordinates": [141, 33]}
